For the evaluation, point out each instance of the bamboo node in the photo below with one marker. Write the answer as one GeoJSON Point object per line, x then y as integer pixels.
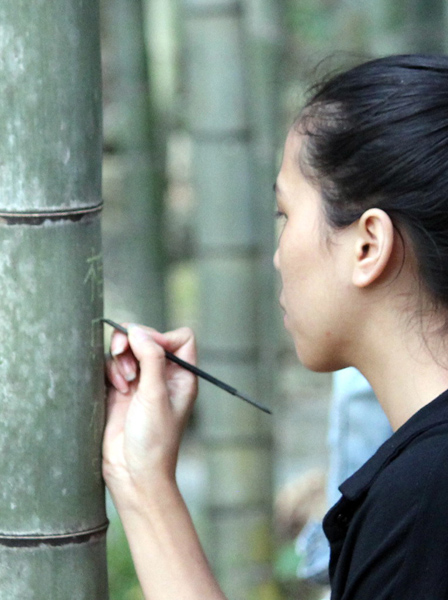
{"type": "Point", "coordinates": [38, 217]}
{"type": "Point", "coordinates": [58, 539]}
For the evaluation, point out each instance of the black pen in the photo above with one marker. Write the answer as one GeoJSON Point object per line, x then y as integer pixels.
{"type": "Point", "coordinates": [198, 372]}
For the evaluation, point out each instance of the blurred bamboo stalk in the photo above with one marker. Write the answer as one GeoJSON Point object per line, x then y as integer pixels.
{"type": "Point", "coordinates": [162, 36]}
{"type": "Point", "coordinates": [426, 26]}
{"type": "Point", "coordinates": [138, 140]}
{"type": "Point", "coordinates": [356, 27]}
{"type": "Point", "coordinates": [263, 26]}
{"type": "Point", "coordinates": [368, 27]}
{"type": "Point", "coordinates": [237, 438]}
{"type": "Point", "coordinates": [52, 513]}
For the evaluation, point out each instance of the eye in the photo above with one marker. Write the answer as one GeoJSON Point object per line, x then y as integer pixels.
{"type": "Point", "coordinates": [281, 219]}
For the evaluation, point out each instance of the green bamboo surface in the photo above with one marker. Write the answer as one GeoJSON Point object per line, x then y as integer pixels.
{"type": "Point", "coordinates": [49, 85]}
{"type": "Point", "coordinates": [70, 572]}
{"type": "Point", "coordinates": [52, 512]}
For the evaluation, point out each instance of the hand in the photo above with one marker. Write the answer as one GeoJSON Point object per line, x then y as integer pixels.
{"type": "Point", "coordinates": [149, 402]}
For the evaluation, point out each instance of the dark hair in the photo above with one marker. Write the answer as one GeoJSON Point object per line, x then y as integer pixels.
{"type": "Point", "coordinates": [377, 136]}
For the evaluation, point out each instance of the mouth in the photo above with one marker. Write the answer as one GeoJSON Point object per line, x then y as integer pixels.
{"type": "Point", "coordinates": [280, 301]}
{"type": "Point", "coordinates": [284, 314]}
{"type": "Point", "coordinates": [283, 309]}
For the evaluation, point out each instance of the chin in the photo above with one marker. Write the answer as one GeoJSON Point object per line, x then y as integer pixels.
{"type": "Point", "coordinates": [319, 362]}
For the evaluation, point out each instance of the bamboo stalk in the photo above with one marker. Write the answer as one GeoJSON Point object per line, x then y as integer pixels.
{"type": "Point", "coordinates": [236, 437]}
{"type": "Point", "coordinates": [263, 27]}
{"type": "Point", "coordinates": [52, 513]}
{"type": "Point", "coordinates": [139, 259]}
{"type": "Point", "coordinates": [426, 26]}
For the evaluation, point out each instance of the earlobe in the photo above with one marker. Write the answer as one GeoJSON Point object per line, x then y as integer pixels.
{"type": "Point", "coordinates": [373, 247]}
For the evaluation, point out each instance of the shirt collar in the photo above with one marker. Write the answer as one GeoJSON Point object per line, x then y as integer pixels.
{"type": "Point", "coordinates": [432, 414]}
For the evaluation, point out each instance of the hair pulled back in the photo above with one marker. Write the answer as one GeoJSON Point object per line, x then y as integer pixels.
{"type": "Point", "coordinates": [377, 136]}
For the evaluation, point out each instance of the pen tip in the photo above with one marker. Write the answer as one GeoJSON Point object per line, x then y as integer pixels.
{"type": "Point", "coordinates": [114, 325]}
{"type": "Point", "coordinates": [256, 404]}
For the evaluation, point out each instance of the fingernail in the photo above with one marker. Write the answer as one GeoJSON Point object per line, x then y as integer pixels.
{"type": "Point", "coordinates": [121, 385]}
{"type": "Point", "coordinates": [118, 346]}
{"type": "Point", "coordinates": [129, 370]}
{"type": "Point", "coordinates": [137, 332]}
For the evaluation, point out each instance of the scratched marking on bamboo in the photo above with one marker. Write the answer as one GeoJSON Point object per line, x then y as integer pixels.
{"type": "Point", "coordinates": [94, 278]}
{"type": "Point", "coordinates": [96, 332]}
{"type": "Point", "coordinates": [94, 275]}
{"type": "Point", "coordinates": [96, 429]}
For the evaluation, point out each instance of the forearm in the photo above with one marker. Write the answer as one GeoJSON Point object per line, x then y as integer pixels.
{"type": "Point", "coordinates": [146, 419]}
{"type": "Point", "coordinates": [167, 554]}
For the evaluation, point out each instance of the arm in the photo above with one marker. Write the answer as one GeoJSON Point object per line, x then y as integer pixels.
{"type": "Point", "coordinates": [149, 402]}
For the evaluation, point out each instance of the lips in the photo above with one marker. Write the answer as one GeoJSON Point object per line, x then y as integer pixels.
{"type": "Point", "coordinates": [280, 301]}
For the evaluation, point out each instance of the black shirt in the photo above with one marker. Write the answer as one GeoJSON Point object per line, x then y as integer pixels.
{"type": "Point", "coordinates": [389, 532]}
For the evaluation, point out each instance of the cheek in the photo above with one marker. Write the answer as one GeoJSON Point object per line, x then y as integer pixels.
{"type": "Point", "coordinates": [297, 263]}
{"type": "Point", "coordinates": [289, 268]}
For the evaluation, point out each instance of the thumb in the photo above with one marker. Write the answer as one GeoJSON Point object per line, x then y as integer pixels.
{"type": "Point", "coordinates": [152, 361]}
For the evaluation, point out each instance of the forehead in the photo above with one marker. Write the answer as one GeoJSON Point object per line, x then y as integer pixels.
{"type": "Point", "coordinates": [290, 176]}
{"type": "Point", "coordinates": [293, 145]}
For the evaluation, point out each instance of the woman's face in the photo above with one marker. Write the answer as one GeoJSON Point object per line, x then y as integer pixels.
{"type": "Point", "coordinates": [315, 273]}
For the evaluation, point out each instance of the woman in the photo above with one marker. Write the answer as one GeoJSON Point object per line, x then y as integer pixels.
{"type": "Point", "coordinates": [363, 259]}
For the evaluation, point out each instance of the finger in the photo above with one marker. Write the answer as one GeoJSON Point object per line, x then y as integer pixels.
{"type": "Point", "coordinates": [151, 357]}
{"type": "Point", "coordinates": [119, 343]}
{"type": "Point", "coordinates": [115, 377]}
{"type": "Point", "coordinates": [127, 365]}
{"type": "Point", "coordinates": [179, 341]}
{"type": "Point", "coordinates": [182, 342]}
{"type": "Point", "coordinates": [182, 385]}
{"type": "Point", "coordinates": [173, 341]}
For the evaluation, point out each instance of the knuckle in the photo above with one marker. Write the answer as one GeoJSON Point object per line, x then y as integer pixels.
{"type": "Point", "coordinates": [185, 333]}
{"type": "Point", "coordinates": [152, 351]}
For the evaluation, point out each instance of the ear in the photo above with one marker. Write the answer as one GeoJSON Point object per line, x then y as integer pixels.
{"type": "Point", "coordinates": [373, 248]}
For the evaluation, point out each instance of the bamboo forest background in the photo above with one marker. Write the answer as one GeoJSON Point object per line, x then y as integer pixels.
{"type": "Point", "coordinates": [198, 95]}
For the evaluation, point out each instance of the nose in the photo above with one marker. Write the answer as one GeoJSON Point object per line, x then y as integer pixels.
{"type": "Point", "coordinates": [276, 260]}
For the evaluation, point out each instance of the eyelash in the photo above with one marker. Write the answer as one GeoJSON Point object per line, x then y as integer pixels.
{"type": "Point", "coordinates": [279, 214]}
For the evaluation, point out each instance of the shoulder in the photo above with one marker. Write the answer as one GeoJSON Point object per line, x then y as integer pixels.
{"type": "Point", "coordinates": [421, 463]}
{"type": "Point", "coordinates": [412, 481]}
{"type": "Point", "coordinates": [389, 532]}
{"type": "Point", "coordinates": [424, 474]}
{"type": "Point", "coordinates": [405, 511]}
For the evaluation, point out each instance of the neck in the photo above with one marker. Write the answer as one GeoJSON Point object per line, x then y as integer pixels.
{"type": "Point", "coordinates": [405, 372]}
